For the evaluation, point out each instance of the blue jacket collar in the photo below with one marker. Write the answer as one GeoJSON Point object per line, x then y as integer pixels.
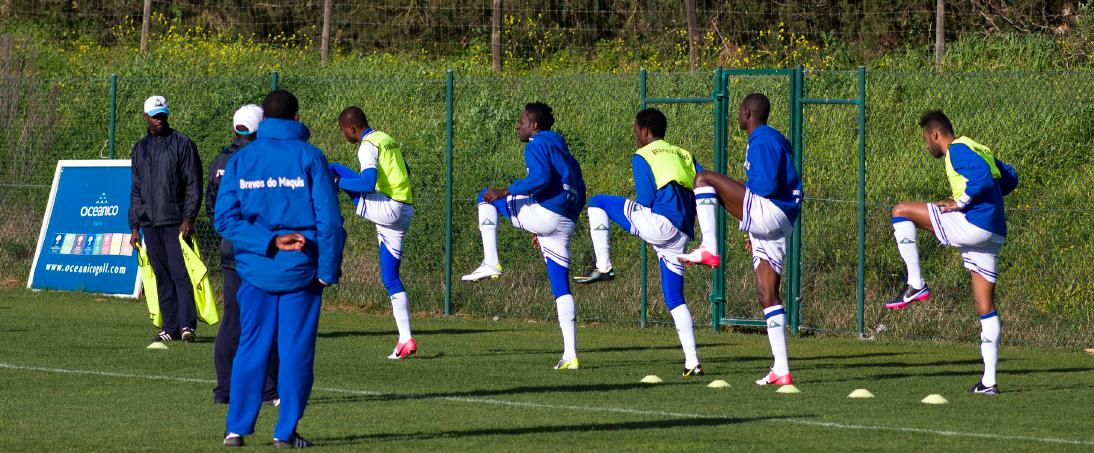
{"type": "Point", "coordinates": [280, 129]}
{"type": "Point", "coordinates": [763, 129]}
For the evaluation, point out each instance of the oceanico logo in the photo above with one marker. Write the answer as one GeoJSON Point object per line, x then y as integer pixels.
{"type": "Point", "coordinates": [101, 208]}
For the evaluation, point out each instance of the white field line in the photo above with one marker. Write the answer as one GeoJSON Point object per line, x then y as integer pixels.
{"type": "Point", "coordinates": [613, 410]}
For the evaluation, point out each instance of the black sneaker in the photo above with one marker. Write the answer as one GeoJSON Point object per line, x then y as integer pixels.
{"type": "Point", "coordinates": [163, 336]}
{"type": "Point", "coordinates": [907, 296]}
{"type": "Point", "coordinates": [233, 441]}
{"type": "Point", "coordinates": [188, 335]}
{"type": "Point", "coordinates": [982, 389]}
{"type": "Point", "coordinates": [595, 276]}
{"type": "Point", "coordinates": [697, 371]}
{"type": "Point", "coordinates": [294, 442]}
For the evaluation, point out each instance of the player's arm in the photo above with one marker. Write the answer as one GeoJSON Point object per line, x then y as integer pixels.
{"type": "Point", "coordinates": [229, 222]}
{"type": "Point", "coordinates": [539, 172]}
{"type": "Point", "coordinates": [351, 181]}
{"type": "Point", "coordinates": [135, 201]}
{"type": "Point", "coordinates": [191, 165]}
{"type": "Point", "coordinates": [1008, 177]}
{"type": "Point", "coordinates": [212, 185]}
{"type": "Point", "coordinates": [762, 172]}
{"type": "Point", "coordinates": [330, 235]}
{"type": "Point", "coordinates": [645, 187]}
{"type": "Point", "coordinates": [976, 172]}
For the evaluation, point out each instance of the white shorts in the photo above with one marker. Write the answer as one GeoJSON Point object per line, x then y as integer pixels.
{"type": "Point", "coordinates": [552, 229]}
{"type": "Point", "coordinates": [979, 247]}
{"type": "Point", "coordinates": [668, 241]}
{"type": "Point", "coordinates": [768, 228]}
{"type": "Point", "coordinates": [391, 217]}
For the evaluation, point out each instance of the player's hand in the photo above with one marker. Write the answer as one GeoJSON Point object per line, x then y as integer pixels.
{"type": "Point", "coordinates": [186, 229]}
{"type": "Point", "coordinates": [535, 241]}
{"type": "Point", "coordinates": [748, 244]}
{"type": "Point", "coordinates": [948, 206]}
{"type": "Point", "coordinates": [290, 242]}
{"type": "Point", "coordinates": [494, 194]}
{"type": "Point", "coordinates": [135, 239]}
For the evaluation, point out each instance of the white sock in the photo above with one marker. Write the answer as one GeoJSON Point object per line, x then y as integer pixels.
{"type": "Point", "coordinates": [600, 231]}
{"type": "Point", "coordinates": [681, 316]}
{"type": "Point", "coordinates": [567, 320]}
{"type": "Point", "coordinates": [989, 346]}
{"type": "Point", "coordinates": [776, 335]}
{"type": "Point", "coordinates": [400, 309]}
{"type": "Point", "coordinates": [488, 227]}
{"type": "Point", "coordinates": [706, 210]}
{"type": "Point", "coordinates": [905, 235]}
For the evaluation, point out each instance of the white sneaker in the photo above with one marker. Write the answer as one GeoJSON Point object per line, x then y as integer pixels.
{"type": "Point", "coordinates": [484, 271]}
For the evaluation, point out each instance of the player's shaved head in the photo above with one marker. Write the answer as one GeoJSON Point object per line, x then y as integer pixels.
{"type": "Point", "coordinates": [353, 116]}
{"type": "Point", "coordinates": [758, 105]}
{"type": "Point", "coordinates": [280, 104]}
{"type": "Point", "coordinates": [541, 114]}
{"type": "Point", "coordinates": [936, 121]}
{"type": "Point", "coordinates": [652, 120]}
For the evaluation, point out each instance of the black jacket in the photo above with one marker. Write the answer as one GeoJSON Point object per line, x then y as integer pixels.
{"type": "Point", "coordinates": [216, 171]}
{"type": "Point", "coordinates": [166, 181]}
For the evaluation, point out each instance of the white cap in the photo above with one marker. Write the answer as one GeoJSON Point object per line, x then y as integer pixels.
{"type": "Point", "coordinates": [246, 119]}
{"type": "Point", "coordinates": [155, 105]}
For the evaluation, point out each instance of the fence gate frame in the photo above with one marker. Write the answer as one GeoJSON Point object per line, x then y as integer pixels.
{"type": "Point", "coordinates": [792, 280]}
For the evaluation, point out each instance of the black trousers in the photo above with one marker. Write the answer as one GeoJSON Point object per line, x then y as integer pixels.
{"type": "Point", "coordinates": [172, 281]}
{"type": "Point", "coordinates": [228, 336]}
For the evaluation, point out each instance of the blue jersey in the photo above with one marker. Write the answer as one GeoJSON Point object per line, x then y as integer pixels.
{"type": "Point", "coordinates": [554, 177]}
{"type": "Point", "coordinates": [673, 201]}
{"type": "Point", "coordinates": [769, 170]}
{"type": "Point", "coordinates": [280, 184]}
{"type": "Point", "coordinates": [985, 208]}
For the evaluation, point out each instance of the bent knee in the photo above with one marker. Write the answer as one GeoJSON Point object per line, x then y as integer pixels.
{"type": "Point", "coordinates": [479, 199]}
{"type": "Point", "coordinates": [702, 179]}
{"type": "Point", "coordinates": [597, 201]}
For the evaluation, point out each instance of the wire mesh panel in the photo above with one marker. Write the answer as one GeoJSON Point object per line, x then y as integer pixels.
{"type": "Point", "coordinates": [42, 121]}
{"type": "Point", "coordinates": [690, 126]}
{"type": "Point", "coordinates": [413, 112]}
{"type": "Point", "coordinates": [595, 114]}
{"type": "Point", "coordinates": [829, 222]}
{"type": "Point", "coordinates": [740, 286]}
{"type": "Point", "coordinates": [1043, 125]}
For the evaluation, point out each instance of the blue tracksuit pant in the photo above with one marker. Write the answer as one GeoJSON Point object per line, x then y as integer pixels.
{"type": "Point", "coordinates": [290, 319]}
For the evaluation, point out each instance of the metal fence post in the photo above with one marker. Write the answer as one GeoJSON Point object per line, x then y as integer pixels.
{"type": "Point", "coordinates": [448, 198]}
{"type": "Point", "coordinates": [796, 244]}
{"type": "Point", "coordinates": [721, 150]}
{"type": "Point", "coordinates": [642, 254]}
{"type": "Point", "coordinates": [274, 77]}
{"type": "Point", "coordinates": [861, 296]}
{"type": "Point", "coordinates": [113, 112]}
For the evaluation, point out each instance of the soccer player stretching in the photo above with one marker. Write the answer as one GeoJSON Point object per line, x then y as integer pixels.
{"type": "Point", "coordinates": [546, 203]}
{"type": "Point", "coordinates": [381, 194]}
{"type": "Point", "coordinates": [662, 214]}
{"type": "Point", "coordinates": [973, 221]}
{"type": "Point", "coordinates": [766, 204]}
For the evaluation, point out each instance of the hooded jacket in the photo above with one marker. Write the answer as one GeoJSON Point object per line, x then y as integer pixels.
{"type": "Point", "coordinates": [279, 184]}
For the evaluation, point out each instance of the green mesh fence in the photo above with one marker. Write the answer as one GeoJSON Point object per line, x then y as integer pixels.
{"type": "Point", "coordinates": [1042, 123]}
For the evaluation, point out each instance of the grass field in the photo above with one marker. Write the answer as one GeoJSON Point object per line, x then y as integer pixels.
{"type": "Point", "coordinates": [75, 375]}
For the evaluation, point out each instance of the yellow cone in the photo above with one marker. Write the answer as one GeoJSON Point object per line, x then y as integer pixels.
{"type": "Point", "coordinates": [934, 399]}
{"type": "Point", "coordinates": [788, 389]}
{"type": "Point", "coordinates": [861, 393]}
{"type": "Point", "coordinates": [651, 379]}
{"type": "Point", "coordinates": [718, 384]}
{"type": "Point", "coordinates": [157, 345]}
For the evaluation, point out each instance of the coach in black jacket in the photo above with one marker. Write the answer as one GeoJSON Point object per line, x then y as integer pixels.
{"type": "Point", "coordinates": [163, 203]}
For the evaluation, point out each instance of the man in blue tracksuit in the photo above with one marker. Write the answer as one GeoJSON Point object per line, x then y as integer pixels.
{"type": "Point", "coordinates": [278, 205]}
{"type": "Point", "coordinates": [545, 203]}
{"type": "Point", "coordinates": [662, 214]}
